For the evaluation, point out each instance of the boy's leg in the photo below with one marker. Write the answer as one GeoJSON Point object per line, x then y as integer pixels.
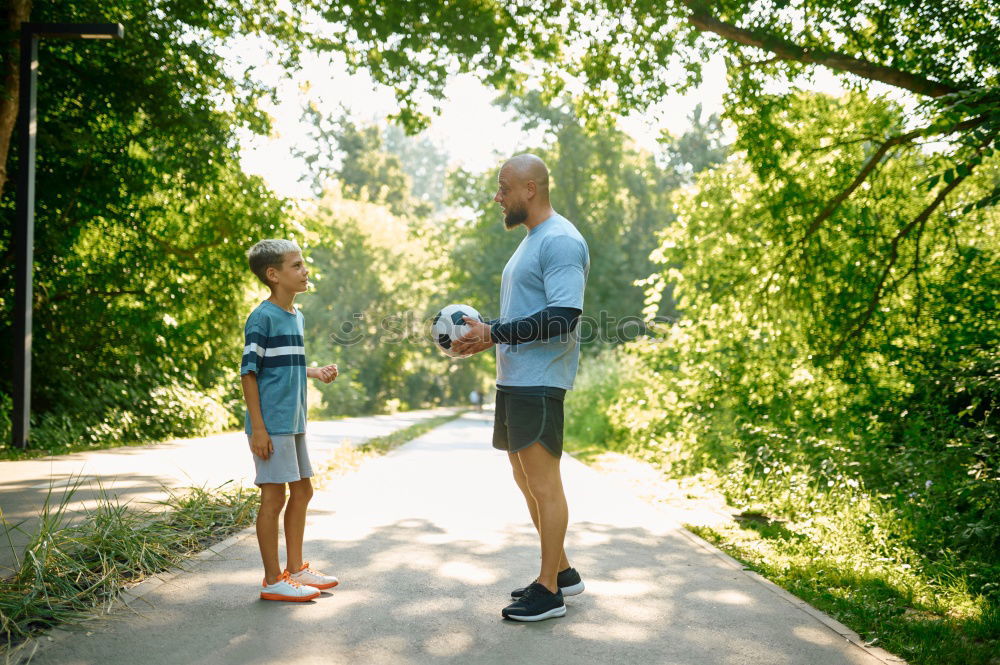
{"type": "Point", "coordinates": [544, 483]}
{"type": "Point", "coordinates": [272, 499]}
{"type": "Point", "coordinates": [522, 484]}
{"type": "Point", "coordinates": [300, 492]}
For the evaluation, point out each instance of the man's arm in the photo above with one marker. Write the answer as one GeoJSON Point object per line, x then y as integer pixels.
{"type": "Point", "coordinates": [542, 325]}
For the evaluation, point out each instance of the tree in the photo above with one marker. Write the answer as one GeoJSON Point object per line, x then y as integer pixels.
{"type": "Point", "coordinates": [174, 50]}
{"type": "Point", "coordinates": [372, 163]}
{"type": "Point", "coordinates": [617, 195]}
{"type": "Point", "coordinates": [143, 216]}
{"type": "Point", "coordinates": [627, 57]}
{"type": "Point", "coordinates": [700, 147]}
{"type": "Point", "coordinates": [735, 223]}
{"type": "Point", "coordinates": [379, 278]}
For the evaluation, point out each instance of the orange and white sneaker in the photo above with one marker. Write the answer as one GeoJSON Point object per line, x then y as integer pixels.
{"type": "Point", "coordinates": [314, 578]}
{"type": "Point", "coordinates": [288, 590]}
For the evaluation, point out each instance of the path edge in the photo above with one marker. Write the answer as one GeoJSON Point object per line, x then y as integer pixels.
{"type": "Point", "coordinates": [843, 631]}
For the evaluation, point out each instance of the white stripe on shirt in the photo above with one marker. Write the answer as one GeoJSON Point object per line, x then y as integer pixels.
{"type": "Point", "coordinates": [285, 351]}
{"type": "Point", "coordinates": [253, 348]}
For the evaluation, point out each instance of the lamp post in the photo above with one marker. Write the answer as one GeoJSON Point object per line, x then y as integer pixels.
{"type": "Point", "coordinates": [24, 223]}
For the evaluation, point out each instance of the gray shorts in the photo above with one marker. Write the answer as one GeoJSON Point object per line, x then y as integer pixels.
{"type": "Point", "coordinates": [289, 461]}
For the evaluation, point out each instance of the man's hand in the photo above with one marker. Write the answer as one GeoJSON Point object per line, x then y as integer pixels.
{"type": "Point", "coordinates": [260, 444]}
{"type": "Point", "coordinates": [476, 340]}
{"type": "Point", "coordinates": [324, 374]}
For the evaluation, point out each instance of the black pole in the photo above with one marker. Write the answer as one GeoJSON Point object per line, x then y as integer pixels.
{"type": "Point", "coordinates": [24, 240]}
{"type": "Point", "coordinates": [24, 222]}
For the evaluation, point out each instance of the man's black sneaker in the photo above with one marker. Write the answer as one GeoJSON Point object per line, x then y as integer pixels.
{"type": "Point", "coordinates": [568, 580]}
{"type": "Point", "coordinates": [537, 604]}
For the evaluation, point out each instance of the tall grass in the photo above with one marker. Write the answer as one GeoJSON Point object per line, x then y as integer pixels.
{"type": "Point", "coordinates": [68, 571]}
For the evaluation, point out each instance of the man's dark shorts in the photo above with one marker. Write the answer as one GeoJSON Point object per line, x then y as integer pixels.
{"type": "Point", "coordinates": [526, 414]}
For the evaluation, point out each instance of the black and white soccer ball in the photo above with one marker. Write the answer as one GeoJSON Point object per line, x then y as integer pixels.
{"type": "Point", "coordinates": [448, 326]}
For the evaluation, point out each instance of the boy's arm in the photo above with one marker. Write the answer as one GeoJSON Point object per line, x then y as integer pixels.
{"type": "Point", "coordinates": [260, 440]}
{"type": "Point", "coordinates": [324, 374]}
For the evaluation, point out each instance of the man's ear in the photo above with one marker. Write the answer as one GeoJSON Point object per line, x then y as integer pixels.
{"type": "Point", "coordinates": [532, 188]}
{"type": "Point", "coordinates": [271, 278]}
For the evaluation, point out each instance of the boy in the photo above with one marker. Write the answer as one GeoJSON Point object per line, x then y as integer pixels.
{"type": "Point", "coordinates": [273, 374]}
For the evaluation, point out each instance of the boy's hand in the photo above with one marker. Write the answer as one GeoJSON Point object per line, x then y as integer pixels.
{"type": "Point", "coordinates": [326, 374]}
{"type": "Point", "coordinates": [476, 340]}
{"type": "Point", "coordinates": [260, 444]}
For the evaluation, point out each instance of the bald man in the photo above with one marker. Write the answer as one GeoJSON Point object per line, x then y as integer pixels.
{"type": "Point", "coordinates": [541, 299]}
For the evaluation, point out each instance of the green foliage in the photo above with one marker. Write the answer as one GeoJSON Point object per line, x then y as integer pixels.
{"type": "Point", "coordinates": [413, 47]}
{"type": "Point", "coordinates": [142, 218]}
{"type": "Point", "coordinates": [602, 378]}
{"type": "Point", "coordinates": [617, 195]}
{"type": "Point", "coordinates": [130, 412]}
{"type": "Point", "coordinates": [378, 281]}
{"type": "Point", "coordinates": [765, 377]}
{"type": "Point", "coordinates": [875, 446]}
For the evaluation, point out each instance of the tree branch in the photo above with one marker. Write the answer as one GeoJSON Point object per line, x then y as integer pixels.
{"type": "Point", "coordinates": [919, 221]}
{"type": "Point", "coordinates": [701, 19]}
{"type": "Point", "coordinates": [866, 170]}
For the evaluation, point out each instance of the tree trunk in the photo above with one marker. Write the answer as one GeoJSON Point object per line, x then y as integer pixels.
{"type": "Point", "coordinates": [10, 54]}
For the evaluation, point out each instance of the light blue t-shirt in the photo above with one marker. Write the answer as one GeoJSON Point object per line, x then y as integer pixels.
{"type": "Point", "coordinates": [548, 269]}
{"type": "Point", "coordinates": [275, 352]}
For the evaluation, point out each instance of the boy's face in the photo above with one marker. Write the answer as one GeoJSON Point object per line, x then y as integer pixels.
{"type": "Point", "coordinates": [293, 276]}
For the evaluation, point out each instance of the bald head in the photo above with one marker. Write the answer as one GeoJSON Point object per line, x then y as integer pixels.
{"type": "Point", "coordinates": [529, 168]}
{"type": "Point", "coordinates": [523, 192]}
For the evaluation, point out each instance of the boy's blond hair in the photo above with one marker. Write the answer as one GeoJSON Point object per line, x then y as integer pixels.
{"type": "Point", "coordinates": [269, 253]}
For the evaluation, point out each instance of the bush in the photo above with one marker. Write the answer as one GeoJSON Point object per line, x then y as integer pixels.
{"type": "Point", "coordinates": [591, 405]}
{"type": "Point", "coordinates": [119, 412]}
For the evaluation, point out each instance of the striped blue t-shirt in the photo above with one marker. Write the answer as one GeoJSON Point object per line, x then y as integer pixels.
{"type": "Point", "coordinates": [275, 352]}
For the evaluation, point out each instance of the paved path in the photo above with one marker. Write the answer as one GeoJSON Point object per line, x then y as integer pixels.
{"type": "Point", "coordinates": [428, 541]}
{"type": "Point", "coordinates": [139, 473]}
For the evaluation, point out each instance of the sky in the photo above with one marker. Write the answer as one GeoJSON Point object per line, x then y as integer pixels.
{"type": "Point", "coordinates": [474, 133]}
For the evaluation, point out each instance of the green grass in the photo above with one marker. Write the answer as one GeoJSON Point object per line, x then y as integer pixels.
{"type": "Point", "coordinates": [380, 445]}
{"type": "Point", "coordinates": [69, 572]}
{"type": "Point", "coordinates": [348, 458]}
{"type": "Point", "coordinates": [845, 552]}
{"type": "Point", "coordinates": [925, 621]}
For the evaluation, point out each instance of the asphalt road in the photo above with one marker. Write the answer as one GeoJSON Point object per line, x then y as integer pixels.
{"type": "Point", "coordinates": [428, 541]}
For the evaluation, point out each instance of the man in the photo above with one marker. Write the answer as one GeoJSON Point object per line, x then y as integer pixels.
{"type": "Point", "coordinates": [541, 299]}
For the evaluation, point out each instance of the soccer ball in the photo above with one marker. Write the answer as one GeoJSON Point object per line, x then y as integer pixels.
{"type": "Point", "coordinates": [448, 326]}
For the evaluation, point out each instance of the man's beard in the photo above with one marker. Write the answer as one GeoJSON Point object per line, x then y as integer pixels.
{"type": "Point", "coordinates": [515, 216]}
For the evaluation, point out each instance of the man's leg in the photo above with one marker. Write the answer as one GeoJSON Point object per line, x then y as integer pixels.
{"type": "Point", "coordinates": [272, 499]}
{"type": "Point", "coordinates": [300, 492]}
{"type": "Point", "coordinates": [522, 484]}
{"type": "Point", "coordinates": [544, 483]}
